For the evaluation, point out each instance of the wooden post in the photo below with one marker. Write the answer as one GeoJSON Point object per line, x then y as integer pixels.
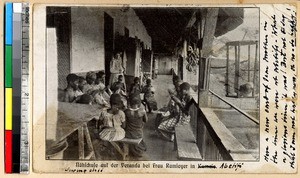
{"type": "Point", "coordinates": [208, 61]}
{"type": "Point", "coordinates": [89, 141]}
{"type": "Point", "coordinates": [209, 30]}
{"type": "Point", "coordinates": [184, 55]}
{"type": "Point", "coordinates": [255, 68]}
{"type": "Point", "coordinates": [235, 69]}
{"type": "Point", "coordinates": [238, 70]}
{"type": "Point", "coordinates": [227, 71]}
{"type": "Point", "coordinates": [151, 65]}
{"type": "Point", "coordinates": [204, 137]}
{"type": "Point", "coordinates": [208, 35]}
{"type": "Point", "coordinates": [80, 142]}
{"type": "Point", "coordinates": [249, 72]}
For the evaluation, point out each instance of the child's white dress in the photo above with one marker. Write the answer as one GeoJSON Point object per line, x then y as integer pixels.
{"type": "Point", "coordinates": [111, 129]}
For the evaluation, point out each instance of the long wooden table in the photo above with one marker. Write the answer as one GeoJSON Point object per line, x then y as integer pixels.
{"type": "Point", "coordinates": [72, 117]}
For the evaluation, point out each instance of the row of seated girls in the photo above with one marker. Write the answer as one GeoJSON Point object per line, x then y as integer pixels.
{"type": "Point", "coordinates": [122, 114]}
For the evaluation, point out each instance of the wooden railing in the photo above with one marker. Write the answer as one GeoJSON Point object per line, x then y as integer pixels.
{"type": "Point", "coordinates": [256, 121]}
{"type": "Point", "coordinates": [214, 140]}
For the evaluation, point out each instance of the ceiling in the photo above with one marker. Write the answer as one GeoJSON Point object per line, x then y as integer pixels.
{"type": "Point", "coordinates": [167, 25]}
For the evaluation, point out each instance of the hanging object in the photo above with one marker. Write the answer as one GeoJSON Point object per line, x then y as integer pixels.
{"type": "Point", "coordinates": [192, 59]}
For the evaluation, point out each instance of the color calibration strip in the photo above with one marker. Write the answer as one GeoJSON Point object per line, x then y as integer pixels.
{"type": "Point", "coordinates": [8, 87]}
{"type": "Point", "coordinates": [14, 57]}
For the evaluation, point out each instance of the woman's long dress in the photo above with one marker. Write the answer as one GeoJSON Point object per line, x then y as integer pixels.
{"type": "Point", "coordinates": [116, 69]}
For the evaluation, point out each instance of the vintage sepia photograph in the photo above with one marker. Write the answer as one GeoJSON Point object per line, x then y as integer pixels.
{"type": "Point", "coordinates": [150, 83]}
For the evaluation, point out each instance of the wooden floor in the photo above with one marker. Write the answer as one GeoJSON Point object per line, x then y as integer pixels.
{"type": "Point", "coordinates": [159, 148]}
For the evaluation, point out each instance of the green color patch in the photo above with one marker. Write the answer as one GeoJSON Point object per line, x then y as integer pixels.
{"type": "Point", "coordinates": [8, 66]}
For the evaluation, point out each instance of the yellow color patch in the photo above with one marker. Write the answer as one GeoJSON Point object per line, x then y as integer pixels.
{"type": "Point", "coordinates": [8, 108]}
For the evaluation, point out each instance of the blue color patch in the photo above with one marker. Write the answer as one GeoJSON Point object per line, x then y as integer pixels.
{"type": "Point", "coordinates": [8, 23]}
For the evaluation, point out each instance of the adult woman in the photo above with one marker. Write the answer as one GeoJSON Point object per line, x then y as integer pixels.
{"type": "Point", "coordinates": [116, 68]}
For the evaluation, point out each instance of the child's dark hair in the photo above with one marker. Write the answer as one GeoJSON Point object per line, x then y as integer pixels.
{"type": "Point", "coordinates": [117, 52]}
{"type": "Point", "coordinates": [72, 78]}
{"type": "Point", "coordinates": [136, 79]}
{"type": "Point", "coordinates": [185, 86]}
{"type": "Point", "coordinates": [135, 101]}
{"type": "Point", "coordinates": [115, 99]}
{"type": "Point", "coordinates": [85, 99]}
{"type": "Point", "coordinates": [100, 74]}
{"type": "Point", "coordinates": [176, 78]}
{"type": "Point", "coordinates": [91, 75]}
{"type": "Point", "coordinates": [148, 81]}
{"type": "Point", "coordinates": [81, 79]}
{"type": "Point", "coordinates": [120, 77]}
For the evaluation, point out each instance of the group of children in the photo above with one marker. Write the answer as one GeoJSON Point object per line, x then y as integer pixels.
{"type": "Point", "coordinates": [123, 112]}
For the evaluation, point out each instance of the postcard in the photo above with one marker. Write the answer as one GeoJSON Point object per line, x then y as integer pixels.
{"type": "Point", "coordinates": [164, 88]}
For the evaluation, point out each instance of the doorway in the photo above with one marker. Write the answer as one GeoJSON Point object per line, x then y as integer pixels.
{"type": "Point", "coordinates": [180, 67]}
{"type": "Point", "coordinates": [108, 44]}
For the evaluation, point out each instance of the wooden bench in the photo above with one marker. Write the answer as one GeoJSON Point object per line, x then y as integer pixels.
{"type": "Point", "coordinates": [126, 142]}
{"type": "Point", "coordinates": [185, 143]}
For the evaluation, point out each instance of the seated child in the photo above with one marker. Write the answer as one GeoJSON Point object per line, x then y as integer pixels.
{"type": "Point", "coordinates": [85, 99]}
{"type": "Point", "coordinates": [79, 91]}
{"type": "Point", "coordinates": [100, 77]}
{"type": "Point", "coordinates": [178, 116]}
{"type": "Point", "coordinates": [118, 85]}
{"type": "Point", "coordinates": [170, 115]}
{"type": "Point", "coordinates": [70, 92]}
{"type": "Point", "coordinates": [176, 83]}
{"type": "Point", "coordinates": [101, 97]}
{"type": "Point", "coordinates": [184, 102]}
{"type": "Point", "coordinates": [135, 89]}
{"type": "Point", "coordinates": [148, 91]}
{"type": "Point", "coordinates": [101, 82]}
{"type": "Point", "coordinates": [119, 91]}
{"type": "Point", "coordinates": [81, 84]}
{"type": "Point", "coordinates": [90, 87]}
{"type": "Point", "coordinates": [136, 117]}
{"type": "Point", "coordinates": [113, 120]}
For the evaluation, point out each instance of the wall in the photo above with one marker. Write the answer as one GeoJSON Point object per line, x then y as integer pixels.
{"type": "Point", "coordinates": [136, 28]}
{"type": "Point", "coordinates": [87, 39]}
{"type": "Point", "coordinates": [131, 21]}
{"type": "Point", "coordinates": [87, 33]}
{"type": "Point", "coordinates": [166, 63]}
